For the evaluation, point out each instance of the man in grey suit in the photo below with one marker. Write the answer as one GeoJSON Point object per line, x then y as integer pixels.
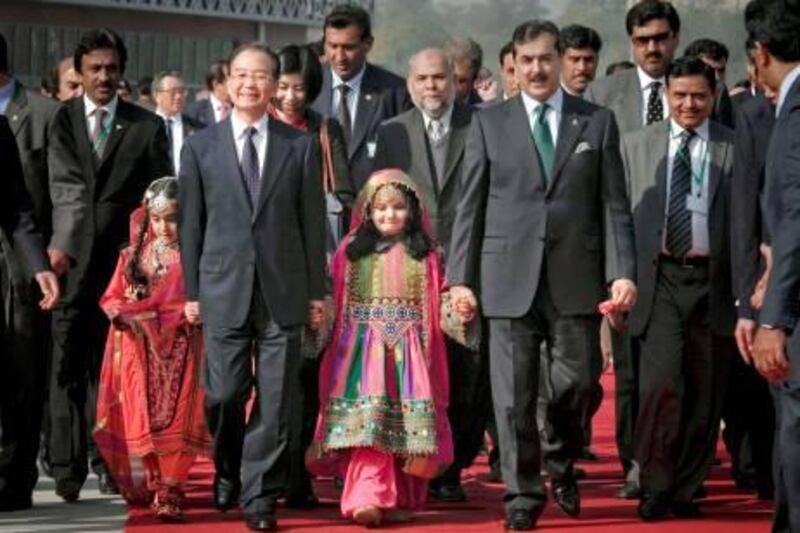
{"type": "Point", "coordinates": [427, 142]}
{"type": "Point", "coordinates": [776, 352]}
{"type": "Point", "coordinates": [253, 252]}
{"type": "Point", "coordinates": [637, 98]}
{"type": "Point", "coordinates": [371, 94]}
{"type": "Point", "coordinates": [542, 233]}
{"type": "Point", "coordinates": [679, 175]}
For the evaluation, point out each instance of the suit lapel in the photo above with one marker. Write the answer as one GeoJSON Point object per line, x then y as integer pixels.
{"type": "Point", "coordinates": [17, 110]}
{"type": "Point", "coordinates": [718, 152]}
{"type": "Point", "coordinates": [80, 133]}
{"type": "Point", "coordinates": [658, 152]}
{"type": "Point", "coordinates": [278, 149]}
{"type": "Point", "coordinates": [569, 131]}
{"type": "Point", "coordinates": [368, 100]}
{"type": "Point", "coordinates": [459, 125]}
{"type": "Point", "coordinates": [520, 139]}
{"type": "Point", "coordinates": [230, 161]}
{"type": "Point", "coordinates": [118, 129]}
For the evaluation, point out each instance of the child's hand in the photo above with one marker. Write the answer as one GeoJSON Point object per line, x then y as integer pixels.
{"type": "Point", "coordinates": [316, 315]}
{"type": "Point", "coordinates": [464, 303]}
{"type": "Point", "coordinates": [192, 312]}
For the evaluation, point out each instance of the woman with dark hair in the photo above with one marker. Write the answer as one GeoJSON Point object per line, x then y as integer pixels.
{"type": "Point", "coordinates": [299, 83]}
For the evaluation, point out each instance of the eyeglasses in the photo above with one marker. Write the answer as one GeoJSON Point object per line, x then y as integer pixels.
{"type": "Point", "coordinates": [657, 38]}
{"type": "Point", "coordinates": [258, 77]}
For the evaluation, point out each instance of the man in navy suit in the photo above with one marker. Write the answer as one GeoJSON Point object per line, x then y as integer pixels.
{"type": "Point", "coordinates": [253, 252]}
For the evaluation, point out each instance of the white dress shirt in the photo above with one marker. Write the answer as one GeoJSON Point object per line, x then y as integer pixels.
{"type": "Point", "coordinates": [553, 116]}
{"type": "Point", "coordinates": [445, 120]}
{"type": "Point", "coordinates": [217, 106]}
{"type": "Point", "coordinates": [111, 109]}
{"type": "Point", "coordinates": [701, 168]}
{"type": "Point", "coordinates": [352, 97]}
{"type": "Point", "coordinates": [260, 139]}
{"type": "Point", "coordinates": [786, 84]}
{"type": "Point", "coordinates": [176, 136]}
{"type": "Point", "coordinates": [645, 82]}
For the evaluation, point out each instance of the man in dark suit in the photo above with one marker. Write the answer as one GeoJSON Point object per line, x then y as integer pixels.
{"type": "Point", "coordinates": [253, 250]}
{"type": "Point", "coordinates": [103, 154]}
{"type": "Point", "coordinates": [371, 94]}
{"type": "Point", "coordinates": [776, 350]}
{"type": "Point", "coordinates": [20, 371]}
{"type": "Point", "coordinates": [427, 142]}
{"type": "Point", "coordinates": [26, 328]}
{"type": "Point", "coordinates": [217, 106]}
{"type": "Point", "coordinates": [715, 55]}
{"type": "Point", "coordinates": [637, 97]}
{"type": "Point", "coordinates": [169, 93]}
{"type": "Point", "coordinates": [542, 233]}
{"type": "Point", "coordinates": [679, 176]}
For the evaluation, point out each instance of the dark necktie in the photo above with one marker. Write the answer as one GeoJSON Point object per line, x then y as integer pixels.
{"type": "Point", "coordinates": [679, 218]}
{"type": "Point", "coordinates": [655, 106]}
{"type": "Point", "coordinates": [543, 139]}
{"type": "Point", "coordinates": [343, 112]}
{"type": "Point", "coordinates": [99, 133]}
{"type": "Point", "coordinates": [168, 123]}
{"type": "Point", "coordinates": [250, 167]}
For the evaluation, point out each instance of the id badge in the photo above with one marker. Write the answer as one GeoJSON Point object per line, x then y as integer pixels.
{"type": "Point", "coordinates": [697, 204]}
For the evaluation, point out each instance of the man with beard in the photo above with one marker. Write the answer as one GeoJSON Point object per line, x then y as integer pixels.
{"type": "Point", "coordinates": [638, 98]}
{"type": "Point", "coordinates": [427, 142]}
{"type": "Point", "coordinates": [581, 57]}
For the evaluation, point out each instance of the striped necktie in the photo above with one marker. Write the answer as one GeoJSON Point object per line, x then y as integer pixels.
{"type": "Point", "coordinates": [679, 218]}
{"type": "Point", "coordinates": [99, 131]}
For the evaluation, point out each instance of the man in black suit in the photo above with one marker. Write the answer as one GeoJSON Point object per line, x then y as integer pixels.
{"type": "Point", "coordinates": [427, 142]}
{"type": "Point", "coordinates": [253, 250]}
{"type": "Point", "coordinates": [679, 176]}
{"type": "Point", "coordinates": [217, 106]}
{"type": "Point", "coordinates": [169, 93]}
{"type": "Point", "coordinates": [26, 328]}
{"type": "Point", "coordinates": [103, 153]}
{"type": "Point", "coordinates": [371, 94]}
{"type": "Point", "coordinates": [776, 350]}
{"type": "Point", "coordinates": [542, 234]}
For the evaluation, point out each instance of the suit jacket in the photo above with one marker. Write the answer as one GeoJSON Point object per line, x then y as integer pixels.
{"type": "Point", "coordinates": [403, 143]}
{"type": "Point", "coordinates": [621, 93]}
{"type": "Point", "coordinates": [21, 236]}
{"type": "Point", "coordinates": [342, 186]}
{"type": "Point", "coordinates": [511, 234]}
{"type": "Point", "coordinates": [200, 112]}
{"type": "Point", "coordinates": [644, 154]}
{"type": "Point", "coordinates": [226, 246]}
{"type": "Point", "coordinates": [781, 200]}
{"type": "Point", "coordinates": [382, 96]}
{"type": "Point", "coordinates": [755, 118]}
{"type": "Point", "coordinates": [93, 199]}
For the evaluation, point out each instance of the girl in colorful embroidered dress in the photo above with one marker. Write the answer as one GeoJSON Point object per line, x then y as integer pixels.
{"type": "Point", "coordinates": [150, 422]}
{"type": "Point", "coordinates": [383, 379]}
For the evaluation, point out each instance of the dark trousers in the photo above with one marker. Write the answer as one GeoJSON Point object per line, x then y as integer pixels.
{"type": "Point", "coordinates": [262, 355]}
{"type": "Point", "coordinates": [626, 396]}
{"type": "Point", "coordinates": [299, 484]}
{"type": "Point", "coordinates": [682, 371]}
{"type": "Point", "coordinates": [514, 353]}
{"type": "Point", "coordinates": [24, 351]}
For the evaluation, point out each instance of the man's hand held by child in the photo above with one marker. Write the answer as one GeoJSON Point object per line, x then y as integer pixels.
{"type": "Point", "coordinates": [192, 312]}
{"type": "Point", "coordinates": [464, 303]}
{"type": "Point", "coordinates": [316, 315]}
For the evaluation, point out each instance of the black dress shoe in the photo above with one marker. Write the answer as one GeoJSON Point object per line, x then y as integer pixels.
{"type": "Point", "coordinates": [261, 522]}
{"type": "Point", "coordinates": [68, 489]}
{"type": "Point", "coordinates": [629, 491]}
{"type": "Point", "coordinates": [449, 493]}
{"type": "Point", "coordinates": [15, 502]}
{"type": "Point", "coordinates": [520, 520]}
{"type": "Point", "coordinates": [226, 493]}
{"type": "Point", "coordinates": [587, 454]}
{"type": "Point", "coordinates": [579, 473]}
{"type": "Point", "coordinates": [653, 508]}
{"type": "Point", "coordinates": [566, 495]}
{"type": "Point", "coordinates": [686, 510]}
{"type": "Point", "coordinates": [106, 485]}
{"type": "Point", "coordinates": [700, 493]}
{"type": "Point", "coordinates": [302, 501]}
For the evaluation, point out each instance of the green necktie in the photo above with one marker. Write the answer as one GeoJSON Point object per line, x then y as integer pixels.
{"type": "Point", "coordinates": [544, 141]}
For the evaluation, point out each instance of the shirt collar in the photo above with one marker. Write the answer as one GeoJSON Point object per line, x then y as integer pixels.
{"type": "Point", "coordinates": [354, 83]}
{"type": "Point", "coordinates": [444, 119]}
{"type": "Point", "coordinates": [175, 119]}
{"type": "Point", "coordinates": [239, 125]}
{"type": "Point", "coordinates": [676, 129]}
{"type": "Point", "coordinates": [216, 104]}
{"type": "Point", "coordinates": [556, 101]}
{"type": "Point", "coordinates": [645, 79]}
{"type": "Point", "coordinates": [787, 83]}
{"type": "Point", "coordinates": [111, 107]}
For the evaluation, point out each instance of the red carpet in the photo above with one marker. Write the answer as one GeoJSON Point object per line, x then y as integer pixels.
{"type": "Point", "coordinates": [726, 510]}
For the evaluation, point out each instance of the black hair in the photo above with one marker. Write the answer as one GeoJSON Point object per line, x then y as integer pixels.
{"type": "Point", "coordinates": [579, 37]}
{"type": "Point", "coordinates": [133, 270]}
{"type": "Point", "coordinates": [217, 72]}
{"type": "Point", "coordinates": [317, 47]}
{"type": "Point", "coordinates": [294, 59]}
{"type": "Point", "coordinates": [125, 84]}
{"type": "Point", "coordinates": [256, 47]}
{"type": "Point", "coordinates": [345, 15]}
{"type": "Point", "coordinates": [775, 24]}
{"type": "Point", "coordinates": [691, 66]}
{"type": "Point", "coordinates": [707, 47]}
{"type": "Point", "coordinates": [533, 29]}
{"type": "Point", "coordinates": [100, 39]}
{"type": "Point", "coordinates": [367, 236]}
{"type": "Point", "coordinates": [646, 10]}
{"type": "Point", "coordinates": [3, 54]}
{"type": "Point", "coordinates": [619, 65]}
{"type": "Point", "coordinates": [508, 48]}
{"type": "Point", "coordinates": [145, 86]}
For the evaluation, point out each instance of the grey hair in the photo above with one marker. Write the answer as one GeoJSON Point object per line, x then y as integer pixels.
{"type": "Point", "coordinates": [465, 50]}
{"type": "Point", "coordinates": [159, 78]}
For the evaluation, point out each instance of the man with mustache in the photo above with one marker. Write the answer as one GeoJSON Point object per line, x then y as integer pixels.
{"type": "Point", "coordinates": [428, 142]}
{"type": "Point", "coordinates": [103, 153]}
{"type": "Point", "coordinates": [581, 57]}
{"type": "Point", "coordinates": [638, 98]}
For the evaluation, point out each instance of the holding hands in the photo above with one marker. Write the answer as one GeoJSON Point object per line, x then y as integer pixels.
{"type": "Point", "coordinates": [316, 315]}
{"type": "Point", "coordinates": [192, 312]}
{"type": "Point", "coordinates": [465, 303]}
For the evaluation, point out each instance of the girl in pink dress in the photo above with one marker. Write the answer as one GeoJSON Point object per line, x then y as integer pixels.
{"type": "Point", "coordinates": [383, 380]}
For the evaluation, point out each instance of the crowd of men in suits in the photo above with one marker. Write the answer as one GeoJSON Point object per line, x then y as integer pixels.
{"type": "Point", "coordinates": [655, 189]}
